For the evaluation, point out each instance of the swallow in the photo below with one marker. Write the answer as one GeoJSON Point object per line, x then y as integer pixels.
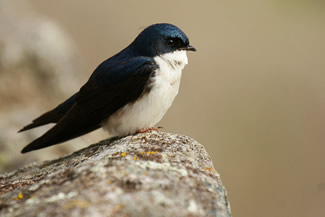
{"type": "Point", "coordinates": [126, 93]}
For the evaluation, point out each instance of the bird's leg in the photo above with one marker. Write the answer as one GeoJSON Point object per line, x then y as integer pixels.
{"type": "Point", "coordinates": [146, 130]}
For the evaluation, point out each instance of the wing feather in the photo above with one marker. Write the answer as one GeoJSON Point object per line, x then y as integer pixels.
{"type": "Point", "coordinates": [111, 87]}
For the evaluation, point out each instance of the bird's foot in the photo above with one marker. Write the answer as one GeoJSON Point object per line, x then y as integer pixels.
{"type": "Point", "coordinates": [147, 130]}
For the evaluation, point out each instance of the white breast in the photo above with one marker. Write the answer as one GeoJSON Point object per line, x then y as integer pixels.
{"type": "Point", "coordinates": [151, 107]}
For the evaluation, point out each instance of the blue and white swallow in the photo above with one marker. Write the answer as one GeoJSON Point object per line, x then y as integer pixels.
{"type": "Point", "coordinates": [127, 93]}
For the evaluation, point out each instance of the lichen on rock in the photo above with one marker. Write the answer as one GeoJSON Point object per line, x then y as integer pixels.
{"type": "Point", "coordinates": [150, 174]}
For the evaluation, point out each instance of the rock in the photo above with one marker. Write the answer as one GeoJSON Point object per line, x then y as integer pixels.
{"type": "Point", "coordinates": [150, 174]}
{"type": "Point", "coordinates": [37, 58]}
{"type": "Point", "coordinates": [39, 68]}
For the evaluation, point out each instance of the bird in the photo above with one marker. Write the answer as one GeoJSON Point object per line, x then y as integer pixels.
{"type": "Point", "coordinates": [128, 93]}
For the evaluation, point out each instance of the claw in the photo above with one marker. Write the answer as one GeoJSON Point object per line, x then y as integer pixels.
{"type": "Point", "coordinates": [147, 130]}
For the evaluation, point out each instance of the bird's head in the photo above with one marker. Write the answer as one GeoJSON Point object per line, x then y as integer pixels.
{"type": "Point", "coordinates": [161, 38]}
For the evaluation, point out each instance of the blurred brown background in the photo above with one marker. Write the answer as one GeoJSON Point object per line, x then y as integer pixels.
{"type": "Point", "coordinates": [253, 94]}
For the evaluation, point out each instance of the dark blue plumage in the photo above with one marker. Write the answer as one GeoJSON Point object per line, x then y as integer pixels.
{"type": "Point", "coordinates": [116, 82]}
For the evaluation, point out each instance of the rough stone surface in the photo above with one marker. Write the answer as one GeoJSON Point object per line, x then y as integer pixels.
{"type": "Point", "coordinates": [150, 174]}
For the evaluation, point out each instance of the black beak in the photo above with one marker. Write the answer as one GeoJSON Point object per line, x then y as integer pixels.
{"type": "Point", "coordinates": [189, 48]}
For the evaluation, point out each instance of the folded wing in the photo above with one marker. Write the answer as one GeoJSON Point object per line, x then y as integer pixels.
{"type": "Point", "coordinates": [112, 86]}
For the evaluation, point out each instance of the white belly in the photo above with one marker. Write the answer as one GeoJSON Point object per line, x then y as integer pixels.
{"type": "Point", "coordinates": [152, 106]}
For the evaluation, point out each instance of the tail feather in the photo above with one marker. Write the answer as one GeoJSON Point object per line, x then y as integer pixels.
{"type": "Point", "coordinates": [47, 118]}
{"type": "Point", "coordinates": [52, 116]}
{"type": "Point", "coordinates": [61, 132]}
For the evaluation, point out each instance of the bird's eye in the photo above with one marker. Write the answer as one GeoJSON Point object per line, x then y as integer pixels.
{"type": "Point", "coordinates": [171, 42]}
